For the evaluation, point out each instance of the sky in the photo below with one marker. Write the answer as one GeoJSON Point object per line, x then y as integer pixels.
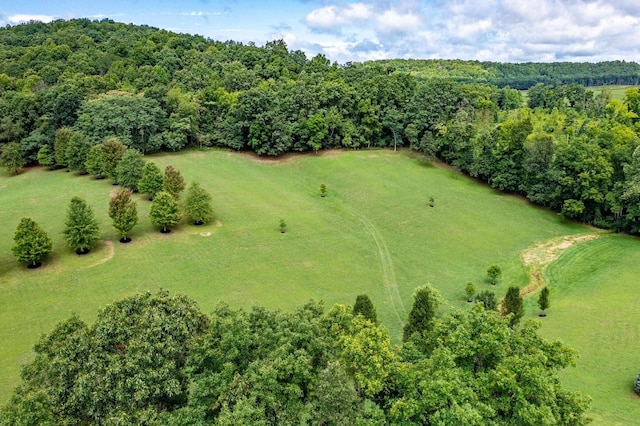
{"type": "Point", "coordinates": [343, 31]}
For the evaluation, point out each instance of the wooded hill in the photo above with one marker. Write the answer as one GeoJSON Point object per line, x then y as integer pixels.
{"type": "Point", "coordinates": [567, 149]}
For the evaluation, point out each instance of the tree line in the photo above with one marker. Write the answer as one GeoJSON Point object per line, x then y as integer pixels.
{"type": "Point", "coordinates": [156, 359]}
{"type": "Point", "coordinates": [561, 146]}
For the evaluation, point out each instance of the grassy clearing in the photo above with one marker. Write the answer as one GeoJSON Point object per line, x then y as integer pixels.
{"type": "Point", "coordinates": [617, 92]}
{"type": "Point", "coordinates": [594, 310]}
{"type": "Point", "coordinates": [374, 233]}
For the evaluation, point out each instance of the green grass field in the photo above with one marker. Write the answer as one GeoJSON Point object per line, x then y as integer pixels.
{"type": "Point", "coordinates": [374, 233]}
{"type": "Point", "coordinates": [617, 92]}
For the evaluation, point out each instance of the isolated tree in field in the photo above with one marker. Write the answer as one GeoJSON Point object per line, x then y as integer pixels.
{"type": "Point", "coordinates": [197, 205]}
{"type": "Point", "coordinates": [81, 228]}
{"type": "Point", "coordinates": [470, 291]}
{"type": "Point", "coordinates": [513, 304]}
{"type": "Point", "coordinates": [94, 164]}
{"type": "Point", "coordinates": [283, 226]}
{"type": "Point", "coordinates": [426, 300]}
{"type": "Point", "coordinates": [60, 146]}
{"type": "Point", "coordinates": [129, 169]}
{"type": "Point", "coordinates": [46, 156]}
{"type": "Point", "coordinates": [77, 150]}
{"type": "Point", "coordinates": [124, 214]}
{"type": "Point", "coordinates": [31, 243]}
{"type": "Point", "coordinates": [113, 150]}
{"type": "Point", "coordinates": [11, 158]}
{"type": "Point", "coordinates": [164, 211]}
{"type": "Point", "coordinates": [323, 190]}
{"type": "Point", "coordinates": [488, 299]}
{"type": "Point", "coordinates": [151, 181]}
{"type": "Point", "coordinates": [173, 182]}
{"type": "Point", "coordinates": [493, 273]}
{"type": "Point", "coordinates": [543, 301]}
{"type": "Point", "coordinates": [364, 307]}
{"type": "Point", "coordinates": [432, 202]}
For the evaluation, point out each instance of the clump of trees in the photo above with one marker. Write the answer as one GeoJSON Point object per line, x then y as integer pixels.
{"type": "Point", "coordinates": [156, 359]}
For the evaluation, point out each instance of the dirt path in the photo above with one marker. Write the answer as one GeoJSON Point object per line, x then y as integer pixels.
{"type": "Point", "coordinates": [540, 255]}
{"type": "Point", "coordinates": [386, 262]}
{"type": "Point", "coordinates": [108, 256]}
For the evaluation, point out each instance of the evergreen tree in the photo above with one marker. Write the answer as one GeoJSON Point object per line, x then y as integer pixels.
{"type": "Point", "coordinates": [11, 158]}
{"type": "Point", "coordinates": [129, 169]}
{"type": "Point", "coordinates": [94, 164]}
{"type": "Point", "coordinates": [164, 211]}
{"type": "Point", "coordinates": [151, 181]}
{"type": "Point", "coordinates": [513, 304]}
{"type": "Point", "coordinates": [112, 153]}
{"type": "Point", "coordinates": [543, 301]}
{"type": "Point", "coordinates": [364, 307]}
{"type": "Point", "coordinates": [45, 156]}
{"type": "Point", "coordinates": [82, 229]}
{"type": "Point", "coordinates": [60, 146]}
{"type": "Point", "coordinates": [76, 152]}
{"type": "Point", "coordinates": [124, 213]}
{"type": "Point", "coordinates": [425, 302]}
{"type": "Point", "coordinates": [488, 300]}
{"type": "Point", "coordinates": [198, 205]}
{"type": "Point", "coordinates": [31, 243]}
{"type": "Point", "coordinates": [173, 182]}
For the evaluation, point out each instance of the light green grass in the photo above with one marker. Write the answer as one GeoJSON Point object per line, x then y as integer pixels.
{"type": "Point", "coordinates": [374, 233]}
{"type": "Point", "coordinates": [595, 309]}
{"type": "Point", "coordinates": [617, 92]}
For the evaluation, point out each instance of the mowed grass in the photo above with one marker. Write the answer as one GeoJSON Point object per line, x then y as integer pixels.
{"type": "Point", "coordinates": [617, 92]}
{"type": "Point", "coordinates": [595, 309]}
{"type": "Point", "coordinates": [374, 233]}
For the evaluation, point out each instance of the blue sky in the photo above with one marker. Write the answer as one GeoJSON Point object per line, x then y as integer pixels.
{"type": "Point", "coordinates": [497, 30]}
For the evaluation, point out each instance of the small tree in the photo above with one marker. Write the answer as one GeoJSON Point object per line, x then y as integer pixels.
{"type": "Point", "coordinates": [493, 273]}
{"type": "Point", "coordinates": [45, 156]}
{"type": "Point", "coordinates": [364, 307]}
{"type": "Point", "coordinates": [513, 304]}
{"type": "Point", "coordinates": [94, 164]}
{"type": "Point", "coordinates": [198, 205]}
{"type": "Point", "coordinates": [323, 190]}
{"type": "Point", "coordinates": [11, 158]}
{"type": "Point", "coordinates": [543, 301]}
{"type": "Point", "coordinates": [81, 228]}
{"type": "Point", "coordinates": [173, 182]}
{"type": "Point", "coordinates": [124, 214]}
{"type": "Point", "coordinates": [129, 169]}
{"type": "Point", "coordinates": [470, 291]}
{"type": "Point", "coordinates": [432, 202]}
{"type": "Point", "coordinates": [164, 211]}
{"type": "Point", "coordinates": [426, 300]}
{"type": "Point", "coordinates": [283, 226]}
{"type": "Point", "coordinates": [77, 150]}
{"type": "Point", "coordinates": [31, 243]}
{"type": "Point", "coordinates": [112, 153]}
{"type": "Point", "coordinates": [488, 299]}
{"type": "Point", "coordinates": [151, 181]}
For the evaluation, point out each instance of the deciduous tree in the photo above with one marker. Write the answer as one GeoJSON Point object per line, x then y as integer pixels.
{"type": "Point", "coordinates": [164, 212]}
{"type": "Point", "coordinates": [81, 227]}
{"type": "Point", "coordinates": [173, 182]}
{"type": "Point", "coordinates": [46, 156]}
{"type": "Point", "coordinates": [129, 169]}
{"type": "Point", "coordinates": [493, 273]}
{"type": "Point", "coordinates": [197, 206]}
{"type": "Point", "coordinates": [31, 243]}
{"type": "Point", "coordinates": [470, 291]}
{"type": "Point", "coordinates": [124, 214]}
{"type": "Point", "coordinates": [11, 158]}
{"type": "Point", "coordinates": [151, 181]}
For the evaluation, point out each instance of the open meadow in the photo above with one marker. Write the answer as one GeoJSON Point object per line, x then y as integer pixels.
{"type": "Point", "coordinates": [374, 233]}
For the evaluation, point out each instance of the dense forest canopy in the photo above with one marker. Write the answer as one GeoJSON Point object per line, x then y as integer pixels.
{"type": "Point", "coordinates": [564, 148]}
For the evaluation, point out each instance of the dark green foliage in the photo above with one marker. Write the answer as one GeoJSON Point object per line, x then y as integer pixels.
{"type": "Point", "coordinates": [129, 169]}
{"type": "Point", "coordinates": [45, 156]}
{"type": "Point", "coordinates": [425, 302]}
{"type": "Point", "coordinates": [493, 273]}
{"type": "Point", "coordinates": [197, 205]}
{"type": "Point", "coordinates": [364, 307]}
{"type": "Point", "coordinates": [543, 301]}
{"type": "Point", "coordinates": [283, 226]}
{"type": "Point", "coordinates": [151, 180]}
{"type": "Point", "coordinates": [124, 213]}
{"type": "Point", "coordinates": [513, 305]}
{"type": "Point", "coordinates": [164, 212]}
{"type": "Point", "coordinates": [323, 190]}
{"type": "Point", "coordinates": [31, 243]}
{"type": "Point", "coordinates": [173, 182]}
{"type": "Point", "coordinates": [94, 164]}
{"type": "Point", "coordinates": [470, 291]}
{"type": "Point", "coordinates": [112, 151]}
{"type": "Point", "coordinates": [78, 147]}
{"type": "Point", "coordinates": [11, 158]}
{"type": "Point", "coordinates": [81, 227]}
{"type": "Point", "coordinates": [488, 300]}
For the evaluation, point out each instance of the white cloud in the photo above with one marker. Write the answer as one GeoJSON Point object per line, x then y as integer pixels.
{"type": "Point", "coordinates": [200, 13]}
{"type": "Point", "coordinates": [331, 18]}
{"type": "Point", "coordinates": [22, 18]}
{"type": "Point", "coordinates": [391, 21]}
